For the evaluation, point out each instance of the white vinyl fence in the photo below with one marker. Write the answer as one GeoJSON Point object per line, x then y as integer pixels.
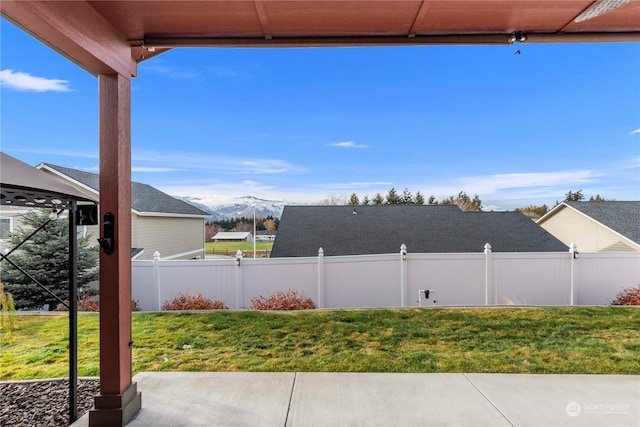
{"type": "Point", "coordinates": [395, 280]}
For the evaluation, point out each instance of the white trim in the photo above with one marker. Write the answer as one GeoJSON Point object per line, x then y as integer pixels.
{"type": "Point", "coordinates": [168, 214]}
{"type": "Point", "coordinates": [68, 178]}
{"type": "Point", "coordinates": [137, 255]}
{"type": "Point", "coordinates": [200, 251]}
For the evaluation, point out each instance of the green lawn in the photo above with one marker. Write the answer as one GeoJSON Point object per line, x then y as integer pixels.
{"type": "Point", "coordinates": [230, 248]}
{"type": "Point", "coordinates": [602, 340]}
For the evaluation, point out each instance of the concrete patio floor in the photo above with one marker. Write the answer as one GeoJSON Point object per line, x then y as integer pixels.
{"type": "Point", "coordinates": [385, 399]}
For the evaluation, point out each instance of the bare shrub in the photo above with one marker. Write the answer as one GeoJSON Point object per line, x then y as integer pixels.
{"type": "Point", "coordinates": [628, 296]}
{"type": "Point", "coordinates": [290, 300]}
{"type": "Point", "coordinates": [184, 301]}
{"type": "Point", "coordinates": [87, 303]}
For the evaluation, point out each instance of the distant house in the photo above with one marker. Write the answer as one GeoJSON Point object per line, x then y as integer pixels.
{"type": "Point", "coordinates": [596, 226]}
{"type": "Point", "coordinates": [233, 236]}
{"type": "Point", "coordinates": [359, 230]}
{"type": "Point", "coordinates": [159, 222]}
{"type": "Point", "coordinates": [265, 235]}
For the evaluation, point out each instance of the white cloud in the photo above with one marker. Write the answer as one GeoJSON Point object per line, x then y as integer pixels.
{"type": "Point", "coordinates": [152, 169]}
{"type": "Point", "coordinates": [511, 190]}
{"type": "Point", "coordinates": [53, 151]}
{"type": "Point", "coordinates": [213, 194]}
{"type": "Point", "coordinates": [171, 72]}
{"type": "Point", "coordinates": [28, 83]}
{"type": "Point", "coordinates": [213, 163]}
{"type": "Point", "coordinates": [357, 185]}
{"type": "Point", "coordinates": [346, 144]}
{"type": "Point", "coordinates": [500, 182]}
{"type": "Point", "coordinates": [634, 131]}
{"type": "Point", "coordinates": [224, 72]}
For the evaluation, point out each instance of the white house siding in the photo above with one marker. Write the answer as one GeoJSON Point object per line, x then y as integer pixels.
{"type": "Point", "coordinates": [181, 238]}
{"type": "Point", "coordinates": [570, 226]}
{"type": "Point", "coordinates": [14, 214]}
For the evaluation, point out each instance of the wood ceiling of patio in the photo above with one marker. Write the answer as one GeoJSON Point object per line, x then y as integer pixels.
{"type": "Point", "coordinates": [165, 24]}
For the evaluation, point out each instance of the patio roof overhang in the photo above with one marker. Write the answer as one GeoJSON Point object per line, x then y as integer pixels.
{"type": "Point", "coordinates": [116, 35]}
{"type": "Point", "coordinates": [109, 39]}
{"type": "Point", "coordinates": [24, 185]}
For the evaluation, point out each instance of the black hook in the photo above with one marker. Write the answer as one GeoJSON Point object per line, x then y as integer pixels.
{"type": "Point", "coordinates": [108, 233]}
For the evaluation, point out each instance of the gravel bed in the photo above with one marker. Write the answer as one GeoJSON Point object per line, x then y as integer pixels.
{"type": "Point", "coordinates": [44, 402]}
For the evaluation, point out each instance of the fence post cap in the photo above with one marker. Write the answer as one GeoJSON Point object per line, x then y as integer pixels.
{"type": "Point", "coordinates": [156, 255]}
{"type": "Point", "coordinates": [320, 252]}
{"type": "Point", "coordinates": [487, 248]}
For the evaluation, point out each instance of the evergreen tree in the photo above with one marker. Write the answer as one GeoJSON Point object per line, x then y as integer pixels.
{"type": "Point", "coordinates": [378, 200]}
{"type": "Point", "coordinates": [353, 200]}
{"type": "Point", "coordinates": [419, 199]}
{"type": "Point", "coordinates": [45, 257]}
{"type": "Point", "coordinates": [392, 197]}
{"type": "Point", "coordinates": [599, 198]}
{"type": "Point", "coordinates": [462, 200]}
{"type": "Point", "coordinates": [574, 197]}
{"type": "Point", "coordinates": [366, 201]}
{"type": "Point", "coordinates": [406, 198]}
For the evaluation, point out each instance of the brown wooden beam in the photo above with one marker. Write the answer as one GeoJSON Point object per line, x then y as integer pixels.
{"type": "Point", "coordinates": [76, 30]}
{"type": "Point", "coordinates": [584, 38]}
{"type": "Point", "coordinates": [472, 39]}
{"type": "Point", "coordinates": [416, 40]}
{"type": "Point", "coordinates": [119, 400]}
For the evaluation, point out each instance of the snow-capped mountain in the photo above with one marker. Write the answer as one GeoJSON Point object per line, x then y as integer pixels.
{"type": "Point", "coordinates": [239, 207]}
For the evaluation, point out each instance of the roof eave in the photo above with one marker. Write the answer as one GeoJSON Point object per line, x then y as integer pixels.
{"type": "Point", "coordinates": [168, 214]}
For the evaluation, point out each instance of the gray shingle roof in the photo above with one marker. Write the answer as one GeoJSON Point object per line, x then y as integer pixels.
{"type": "Point", "coordinates": [621, 217]}
{"type": "Point", "coordinates": [144, 198]}
{"type": "Point", "coordinates": [423, 229]}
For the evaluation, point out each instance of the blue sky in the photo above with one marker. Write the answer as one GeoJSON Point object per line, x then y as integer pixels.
{"type": "Point", "coordinates": [301, 125]}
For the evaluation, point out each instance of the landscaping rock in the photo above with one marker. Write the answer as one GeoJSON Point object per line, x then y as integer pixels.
{"type": "Point", "coordinates": [43, 403]}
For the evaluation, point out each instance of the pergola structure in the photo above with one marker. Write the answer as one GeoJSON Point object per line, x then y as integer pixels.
{"type": "Point", "coordinates": [109, 39]}
{"type": "Point", "coordinates": [25, 186]}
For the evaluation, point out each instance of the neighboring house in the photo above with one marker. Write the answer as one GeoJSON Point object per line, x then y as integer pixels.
{"type": "Point", "coordinates": [349, 230]}
{"type": "Point", "coordinates": [233, 236]}
{"type": "Point", "coordinates": [10, 220]}
{"type": "Point", "coordinates": [159, 222]}
{"type": "Point", "coordinates": [265, 235]}
{"type": "Point", "coordinates": [596, 226]}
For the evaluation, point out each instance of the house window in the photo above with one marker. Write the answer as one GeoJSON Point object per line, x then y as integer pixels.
{"type": "Point", "coordinates": [5, 228]}
{"type": "Point", "coordinates": [81, 231]}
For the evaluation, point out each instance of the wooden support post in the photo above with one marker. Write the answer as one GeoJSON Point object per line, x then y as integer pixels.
{"type": "Point", "coordinates": [119, 400]}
